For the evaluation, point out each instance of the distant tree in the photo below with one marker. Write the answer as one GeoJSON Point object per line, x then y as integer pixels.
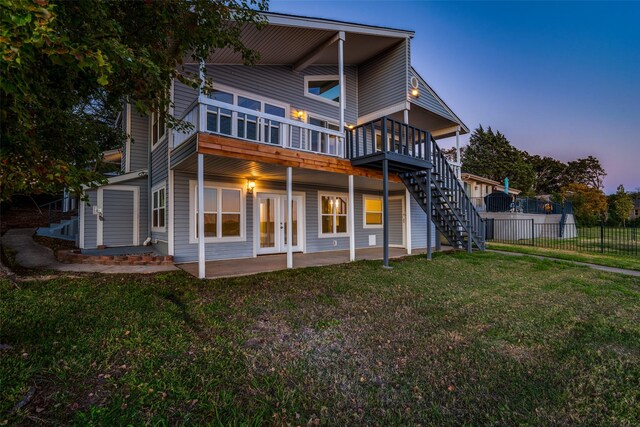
{"type": "Point", "coordinates": [451, 153]}
{"type": "Point", "coordinates": [549, 174]}
{"type": "Point", "coordinates": [490, 154]}
{"type": "Point", "coordinates": [589, 204]}
{"type": "Point", "coordinates": [621, 205]}
{"type": "Point", "coordinates": [587, 171]}
{"type": "Point", "coordinates": [64, 61]}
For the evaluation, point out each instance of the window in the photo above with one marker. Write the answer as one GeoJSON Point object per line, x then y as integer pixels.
{"type": "Point", "coordinates": [372, 211]}
{"type": "Point", "coordinates": [158, 128]}
{"type": "Point", "coordinates": [244, 125]}
{"type": "Point", "coordinates": [159, 209]}
{"type": "Point", "coordinates": [333, 215]}
{"type": "Point", "coordinates": [223, 213]}
{"type": "Point", "coordinates": [324, 88]}
{"type": "Point", "coordinates": [321, 142]}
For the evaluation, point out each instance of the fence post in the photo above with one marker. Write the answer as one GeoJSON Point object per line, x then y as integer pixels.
{"type": "Point", "coordinates": [601, 236]}
{"type": "Point", "coordinates": [533, 232]}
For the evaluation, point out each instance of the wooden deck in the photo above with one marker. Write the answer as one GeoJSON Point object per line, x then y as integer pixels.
{"type": "Point", "coordinates": [266, 263]}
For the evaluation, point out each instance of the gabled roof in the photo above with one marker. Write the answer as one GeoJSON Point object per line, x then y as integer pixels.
{"type": "Point", "coordinates": [430, 100]}
{"type": "Point", "coordinates": [285, 19]}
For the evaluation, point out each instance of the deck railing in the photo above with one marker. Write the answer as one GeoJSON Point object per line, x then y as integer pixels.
{"type": "Point", "coordinates": [219, 118]}
{"type": "Point", "coordinates": [391, 136]}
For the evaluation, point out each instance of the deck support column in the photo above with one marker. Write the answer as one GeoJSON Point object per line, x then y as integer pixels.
{"type": "Point", "coordinates": [385, 211]}
{"type": "Point", "coordinates": [351, 225]}
{"type": "Point", "coordinates": [289, 230]}
{"type": "Point", "coordinates": [429, 216]}
{"type": "Point", "coordinates": [341, 37]}
{"type": "Point", "coordinates": [201, 254]}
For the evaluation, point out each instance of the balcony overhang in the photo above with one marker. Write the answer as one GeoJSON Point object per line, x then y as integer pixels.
{"type": "Point", "coordinates": [310, 41]}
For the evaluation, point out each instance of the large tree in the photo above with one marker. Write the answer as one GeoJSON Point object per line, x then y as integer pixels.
{"type": "Point", "coordinates": [67, 67]}
{"type": "Point", "coordinates": [589, 204]}
{"type": "Point", "coordinates": [549, 174]}
{"type": "Point", "coordinates": [587, 171]}
{"type": "Point", "coordinates": [490, 154]}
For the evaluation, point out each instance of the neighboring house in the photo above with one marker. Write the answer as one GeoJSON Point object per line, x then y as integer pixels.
{"type": "Point", "coordinates": [635, 212]}
{"type": "Point", "coordinates": [332, 121]}
{"type": "Point", "coordinates": [478, 187]}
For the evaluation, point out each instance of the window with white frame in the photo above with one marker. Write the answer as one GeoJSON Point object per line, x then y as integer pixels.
{"type": "Point", "coordinates": [372, 216]}
{"type": "Point", "coordinates": [224, 213]}
{"type": "Point", "coordinates": [323, 88]}
{"type": "Point", "coordinates": [158, 128]}
{"type": "Point", "coordinates": [159, 202]}
{"type": "Point", "coordinates": [333, 214]}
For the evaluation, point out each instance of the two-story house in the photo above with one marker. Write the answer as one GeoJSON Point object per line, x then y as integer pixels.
{"type": "Point", "coordinates": [328, 143]}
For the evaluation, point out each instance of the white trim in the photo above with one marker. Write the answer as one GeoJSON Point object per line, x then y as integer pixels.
{"type": "Point", "coordinates": [162, 185]}
{"type": "Point", "coordinates": [351, 215]}
{"type": "Point", "coordinates": [200, 196]}
{"type": "Point", "coordinates": [239, 92]}
{"type": "Point", "coordinates": [170, 238]}
{"type": "Point", "coordinates": [289, 219]}
{"type": "Point", "coordinates": [326, 24]}
{"type": "Point", "coordinates": [332, 235]}
{"type": "Point", "coordinates": [407, 201]}
{"type": "Point", "coordinates": [308, 79]}
{"type": "Point", "coordinates": [404, 105]}
{"type": "Point", "coordinates": [136, 212]}
{"type": "Point", "coordinates": [193, 184]}
{"type": "Point", "coordinates": [127, 162]}
{"type": "Point", "coordinates": [81, 224]}
{"type": "Point", "coordinates": [364, 211]}
{"type": "Point", "coordinates": [402, 218]}
{"type": "Point", "coordinates": [302, 217]}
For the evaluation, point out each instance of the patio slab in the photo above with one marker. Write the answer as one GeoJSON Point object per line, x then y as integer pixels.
{"type": "Point", "coordinates": [267, 263]}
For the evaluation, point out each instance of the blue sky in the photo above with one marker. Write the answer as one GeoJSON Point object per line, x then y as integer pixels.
{"type": "Point", "coordinates": [557, 78]}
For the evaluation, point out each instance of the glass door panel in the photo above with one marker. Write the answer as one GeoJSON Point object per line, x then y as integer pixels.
{"type": "Point", "coordinates": [268, 225]}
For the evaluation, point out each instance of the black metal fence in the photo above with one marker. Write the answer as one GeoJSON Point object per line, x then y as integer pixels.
{"type": "Point", "coordinates": [568, 236]}
{"type": "Point", "coordinates": [528, 205]}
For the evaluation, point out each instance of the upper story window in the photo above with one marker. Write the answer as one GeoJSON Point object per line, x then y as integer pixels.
{"type": "Point", "coordinates": [245, 125]}
{"type": "Point", "coordinates": [159, 208]}
{"type": "Point", "coordinates": [158, 128]}
{"type": "Point", "coordinates": [323, 88]}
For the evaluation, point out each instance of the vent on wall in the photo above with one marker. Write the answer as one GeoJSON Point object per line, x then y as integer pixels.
{"type": "Point", "coordinates": [414, 82]}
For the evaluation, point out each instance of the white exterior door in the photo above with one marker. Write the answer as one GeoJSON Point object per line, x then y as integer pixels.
{"type": "Point", "coordinates": [272, 223]}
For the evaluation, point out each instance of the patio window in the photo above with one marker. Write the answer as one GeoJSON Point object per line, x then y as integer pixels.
{"type": "Point", "coordinates": [223, 213]}
{"type": "Point", "coordinates": [159, 209]}
{"type": "Point", "coordinates": [323, 88]}
{"type": "Point", "coordinates": [333, 215]}
{"type": "Point", "coordinates": [372, 211]}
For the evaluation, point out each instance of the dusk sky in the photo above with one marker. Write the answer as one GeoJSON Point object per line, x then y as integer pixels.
{"type": "Point", "coordinates": [558, 79]}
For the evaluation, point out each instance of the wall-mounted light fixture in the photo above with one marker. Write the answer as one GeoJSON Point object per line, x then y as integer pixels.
{"type": "Point", "coordinates": [415, 92]}
{"type": "Point", "coordinates": [251, 184]}
{"type": "Point", "coordinates": [350, 127]}
{"type": "Point", "coordinates": [300, 114]}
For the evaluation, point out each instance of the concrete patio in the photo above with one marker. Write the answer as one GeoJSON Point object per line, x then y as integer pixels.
{"type": "Point", "coordinates": [266, 263]}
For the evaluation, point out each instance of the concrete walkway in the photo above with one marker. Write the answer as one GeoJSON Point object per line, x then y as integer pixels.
{"type": "Point", "coordinates": [584, 264]}
{"type": "Point", "coordinates": [30, 254]}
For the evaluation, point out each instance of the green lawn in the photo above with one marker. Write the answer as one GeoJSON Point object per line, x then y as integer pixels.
{"type": "Point", "coordinates": [464, 339]}
{"type": "Point", "coordinates": [629, 262]}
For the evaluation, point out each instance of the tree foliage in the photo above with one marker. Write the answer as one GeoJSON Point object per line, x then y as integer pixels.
{"type": "Point", "coordinates": [491, 155]}
{"type": "Point", "coordinates": [621, 204]}
{"type": "Point", "coordinates": [550, 174]}
{"type": "Point", "coordinates": [587, 171]}
{"type": "Point", "coordinates": [589, 204]}
{"type": "Point", "coordinates": [67, 67]}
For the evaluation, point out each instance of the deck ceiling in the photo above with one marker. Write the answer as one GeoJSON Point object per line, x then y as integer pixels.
{"type": "Point", "coordinates": [269, 42]}
{"type": "Point", "coordinates": [245, 169]}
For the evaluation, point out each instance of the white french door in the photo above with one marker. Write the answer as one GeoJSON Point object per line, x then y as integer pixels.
{"type": "Point", "coordinates": [272, 223]}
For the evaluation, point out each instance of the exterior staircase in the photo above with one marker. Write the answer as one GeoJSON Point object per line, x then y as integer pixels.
{"type": "Point", "coordinates": [415, 157]}
{"type": "Point", "coordinates": [66, 229]}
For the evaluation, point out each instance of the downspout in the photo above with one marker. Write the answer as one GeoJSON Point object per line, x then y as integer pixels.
{"type": "Point", "coordinates": [148, 241]}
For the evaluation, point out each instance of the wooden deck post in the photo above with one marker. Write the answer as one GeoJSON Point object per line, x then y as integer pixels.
{"type": "Point", "coordinates": [201, 253]}
{"type": "Point", "coordinates": [289, 218]}
{"type": "Point", "coordinates": [351, 211]}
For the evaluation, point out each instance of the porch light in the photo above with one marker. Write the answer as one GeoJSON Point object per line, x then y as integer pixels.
{"type": "Point", "coordinates": [251, 184]}
{"type": "Point", "coordinates": [300, 114]}
{"type": "Point", "coordinates": [415, 92]}
{"type": "Point", "coordinates": [350, 127]}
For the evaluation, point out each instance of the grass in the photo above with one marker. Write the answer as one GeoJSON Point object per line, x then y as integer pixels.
{"type": "Point", "coordinates": [464, 339]}
{"type": "Point", "coordinates": [629, 262]}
